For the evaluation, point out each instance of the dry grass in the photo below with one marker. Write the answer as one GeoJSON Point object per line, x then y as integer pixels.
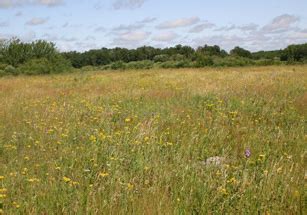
{"type": "Point", "coordinates": [134, 142]}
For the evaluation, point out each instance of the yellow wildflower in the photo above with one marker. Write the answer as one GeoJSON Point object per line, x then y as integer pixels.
{"type": "Point", "coordinates": [1, 177]}
{"type": "Point", "coordinates": [16, 205]}
{"type": "Point", "coordinates": [3, 190]}
{"type": "Point", "coordinates": [130, 186]}
{"type": "Point", "coordinates": [103, 174]}
{"type": "Point", "coordinates": [127, 120]}
{"type": "Point", "coordinates": [32, 180]}
{"type": "Point", "coordinates": [66, 179]}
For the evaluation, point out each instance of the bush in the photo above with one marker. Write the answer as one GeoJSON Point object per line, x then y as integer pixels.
{"type": "Point", "coordinates": [118, 65]}
{"type": "Point", "coordinates": [56, 64]}
{"type": "Point", "coordinates": [203, 61]}
{"type": "Point", "coordinates": [161, 58]}
{"type": "Point", "coordinates": [3, 66]}
{"type": "Point", "coordinates": [36, 66]}
{"type": "Point", "coordinates": [2, 73]}
{"type": "Point", "coordinates": [233, 61]}
{"type": "Point", "coordinates": [10, 70]}
{"type": "Point", "coordinates": [145, 64]}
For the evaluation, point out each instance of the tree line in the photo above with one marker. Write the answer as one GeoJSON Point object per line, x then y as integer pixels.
{"type": "Point", "coordinates": [42, 57]}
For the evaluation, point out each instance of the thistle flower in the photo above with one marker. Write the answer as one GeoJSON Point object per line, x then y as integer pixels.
{"type": "Point", "coordinates": [247, 153]}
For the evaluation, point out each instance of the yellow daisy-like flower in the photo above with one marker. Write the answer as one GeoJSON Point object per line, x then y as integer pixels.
{"type": "Point", "coordinates": [66, 179]}
{"type": "Point", "coordinates": [130, 186]}
{"type": "Point", "coordinates": [103, 174]}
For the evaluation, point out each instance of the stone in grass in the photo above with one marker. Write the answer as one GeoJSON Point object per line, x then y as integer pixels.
{"type": "Point", "coordinates": [214, 161]}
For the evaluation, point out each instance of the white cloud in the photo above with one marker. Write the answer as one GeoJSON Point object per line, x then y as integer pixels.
{"type": "Point", "coordinates": [16, 3]}
{"type": "Point", "coordinates": [179, 23]}
{"type": "Point", "coordinates": [4, 24]}
{"type": "Point", "coordinates": [130, 27]}
{"type": "Point", "coordinates": [148, 20]}
{"type": "Point", "coordinates": [226, 28]}
{"type": "Point", "coordinates": [134, 36]}
{"type": "Point", "coordinates": [201, 27]}
{"type": "Point", "coordinates": [128, 4]}
{"type": "Point", "coordinates": [165, 37]}
{"type": "Point", "coordinates": [248, 27]}
{"type": "Point", "coordinates": [37, 21]}
{"type": "Point", "coordinates": [280, 23]}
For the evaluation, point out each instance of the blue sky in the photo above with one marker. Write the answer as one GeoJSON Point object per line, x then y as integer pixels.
{"type": "Point", "coordinates": [87, 24]}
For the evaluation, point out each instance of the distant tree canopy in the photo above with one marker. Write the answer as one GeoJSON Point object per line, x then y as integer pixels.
{"type": "Point", "coordinates": [240, 52]}
{"type": "Point", "coordinates": [295, 53]}
{"type": "Point", "coordinates": [32, 57]}
{"type": "Point", "coordinates": [42, 57]}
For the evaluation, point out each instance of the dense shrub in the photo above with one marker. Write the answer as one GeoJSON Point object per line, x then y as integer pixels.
{"type": "Point", "coordinates": [232, 61]}
{"type": "Point", "coordinates": [203, 61]}
{"type": "Point", "coordinates": [3, 66]}
{"type": "Point", "coordinates": [2, 73]}
{"type": "Point", "coordinates": [44, 66]}
{"type": "Point", "coordinates": [145, 64]}
{"type": "Point", "coordinates": [161, 58]}
{"type": "Point", "coordinates": [10, 70]}
{"type": "Point", "coordinates": [118, 65]}
{"type": "Point", "coordinates": [36, 66]}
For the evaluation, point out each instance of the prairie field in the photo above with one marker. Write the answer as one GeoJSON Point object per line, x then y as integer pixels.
{"type": "Point", "coordinates": [141, 141]}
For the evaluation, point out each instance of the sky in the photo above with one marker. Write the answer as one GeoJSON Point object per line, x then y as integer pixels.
{"type": "Point", "coordinates": [91, 24]}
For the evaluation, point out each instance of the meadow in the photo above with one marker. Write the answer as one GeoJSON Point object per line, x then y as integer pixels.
{"type": "Point", "coordinates": [136, 142]}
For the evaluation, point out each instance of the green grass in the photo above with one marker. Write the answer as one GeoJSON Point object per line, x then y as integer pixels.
{"type": "Point", "coordinates": [135, 142]}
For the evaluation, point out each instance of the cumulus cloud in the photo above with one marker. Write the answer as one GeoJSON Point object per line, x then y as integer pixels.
{"type": "Point", "coordinates": [248, 27]}
{"type": "Point", "coordinates": [179, 23]}
{"type": "Point", "coordinates": [16, 3]}
{"type": "Point", "coordinates": [130, 27]}
{"type": "Point", "coordinates": [148, 20]}
{"type": "Point", "coordinates": [128, 4]}
{"type": "Point", "coordinates": [165, 37]}
{"type": "Point", "coordinates": [99, 29]}
{"type": "Point", "coordinates": [131, 39]}
{"type": "Point", "coordinates": [4, 24]}
{"type": "Point", "coordinates": [226, 28]}
{"type": "Point", "coordinates": [201, 27]}
{"type": "Point", "coordinates": [37, 21]}
{"type": "Point", "coordinates": [134, 36]}
{"type": "Point", "coordinates": [280, 23]}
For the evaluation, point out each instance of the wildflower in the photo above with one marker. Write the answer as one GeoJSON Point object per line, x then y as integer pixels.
{"type": "Point", "coordinates": [247, 153]}
{"type": "Point", "coordinates": [3, 190]}
{"type": "Point", "coordinates": [16, 205]}
{"type": "Point", "coordinates": [222, 190]}
{"type": "Point", "coordinates": [2, 196]}
{"type": "Point", "coordinates": [233, 180]}
{"type": "Point", "coordinates": [103, 174]}
{"type": "Point", "coordinates": [93, 138]}
{"type": "Point", "coordinates": [32, 180]}
{"type": "Point", "coordinates": [1, 177]}
{"type": "Point", "coordinates": [127, 120]}
{"type": "Point", "coordinates": [66, 179]}
{"type": "Point", "coordinates": [130, 186]}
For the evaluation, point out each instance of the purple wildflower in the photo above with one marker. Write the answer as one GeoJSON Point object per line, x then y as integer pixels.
{"type": "Point", "coordinates": [247, 153]}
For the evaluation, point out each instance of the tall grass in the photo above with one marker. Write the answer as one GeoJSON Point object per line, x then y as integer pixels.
{"type": "Point", "coordinates": [136, 142]}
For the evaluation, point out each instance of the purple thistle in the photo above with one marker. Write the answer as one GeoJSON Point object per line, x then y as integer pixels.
{"type": "Point", "coordinates": [247, 153]}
